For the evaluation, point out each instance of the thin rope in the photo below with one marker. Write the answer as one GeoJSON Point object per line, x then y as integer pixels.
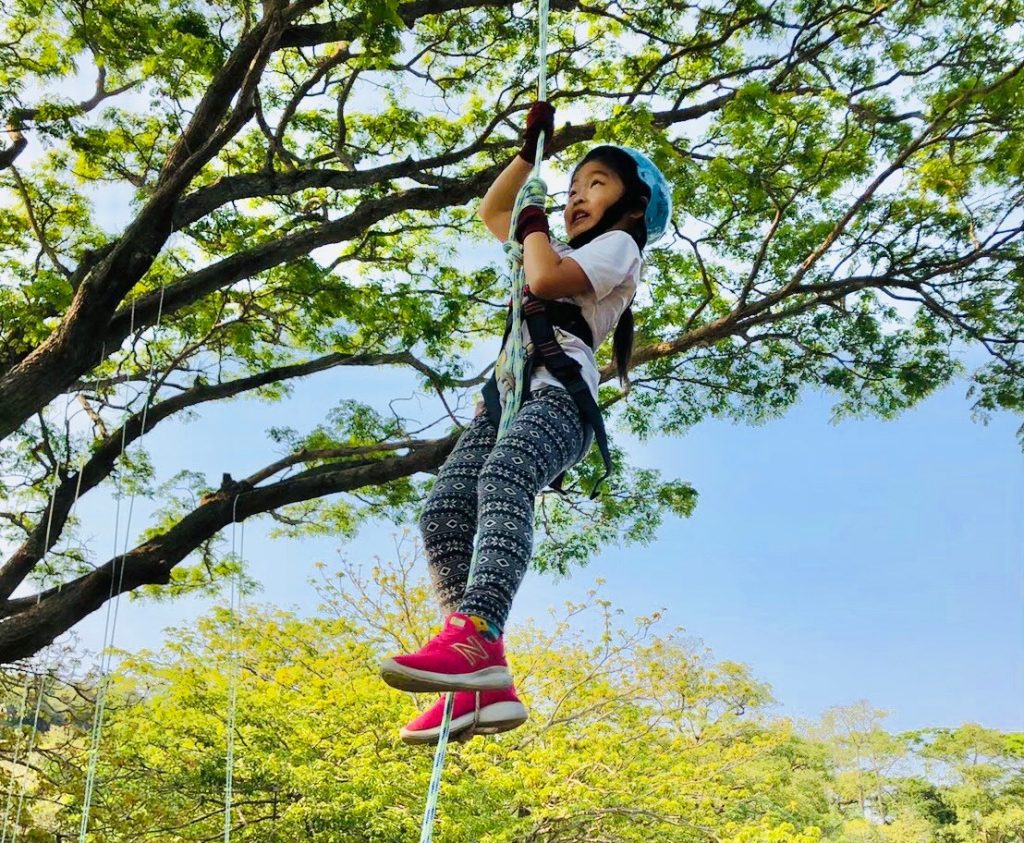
{"type": "Point", "coordinates": [17, 752]}
{"type": "Point", "coordinates": [33, 732]}
{"type": "Point", "coordinates": [236, 602]}
{"type": "Point", "coordinates": [114, 598]}
{"type": "Point", "coordinates": [21, 716]}
{"type": "Point", "coordinates": [515, 364]}
{"type": "Point", "coordinates": [28, 754]}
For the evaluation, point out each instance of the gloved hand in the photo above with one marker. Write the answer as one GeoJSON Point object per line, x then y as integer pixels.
{"type": "Point", "coordinates": [540, 118]}
{"type": "Point", "coordinates": [531, 219]}
{"type": "Point", "coordinates": [533, 216]}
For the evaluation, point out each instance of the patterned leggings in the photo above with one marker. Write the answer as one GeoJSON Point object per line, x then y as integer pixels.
{"type": "Point", "coordinates": [500, 482]}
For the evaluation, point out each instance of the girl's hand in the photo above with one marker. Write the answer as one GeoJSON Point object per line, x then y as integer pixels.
{"type": "Point", "coordinates": [533, 216]}
{"type": "Point", "coordinates": [540, 118]}
{"type": "Point", "coordinates": [531, 219]}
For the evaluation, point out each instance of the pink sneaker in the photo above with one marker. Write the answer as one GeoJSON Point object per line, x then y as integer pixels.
{"type": "Point", "coordinates": [458, 659]}
{"type": "Point", "coordinates": [499, 711]}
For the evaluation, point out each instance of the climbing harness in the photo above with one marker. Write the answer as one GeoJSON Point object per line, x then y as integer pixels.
{"type": "Point", "coordinates": [542, 317]}
{"type": "Point", "coordinates": [514, 367]}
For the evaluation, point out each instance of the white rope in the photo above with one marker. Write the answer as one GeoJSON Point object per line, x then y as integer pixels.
{"type": "Point", "coordinates": [515, 365]}
{"type": "Point", "coordinates": [17, 753]}
{"type": "Point", "coordinates": [234, 667]}
{"type": "Point", "coordinates": [114, 599]}
{"type": "Point", "coordinates": [33, 732]}
{"type": "Point", "coordinates": [28, 754]}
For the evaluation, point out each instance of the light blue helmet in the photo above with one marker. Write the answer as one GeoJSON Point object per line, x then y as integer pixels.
{"type": "Point", "coordinates": [658, 213]}
{"type": "Point", "coordinates": [659, 206]}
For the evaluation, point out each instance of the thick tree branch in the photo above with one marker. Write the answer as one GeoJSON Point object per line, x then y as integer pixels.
{"type": "Point", "coordinates": [246, 264]}
{"type": "Point", "coordinates": [72, 349]}
{"type": "Point", "coordinates": [314, 34]}
{"type": "Point", "coordinates": [33, 622]}
{"type": "Point", "coordinates": [198, 204]}
{"type": "Point", "coordinates": [105, 456]}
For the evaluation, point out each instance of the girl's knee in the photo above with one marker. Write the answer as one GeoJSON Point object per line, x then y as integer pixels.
{"type": "Point", "coordinates": [443, 519]}
{"type": "Point", "coordinates": [509, 471]}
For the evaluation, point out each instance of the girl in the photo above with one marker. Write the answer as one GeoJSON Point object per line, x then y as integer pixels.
{"type": "Point", "coordinates": [577, 293]}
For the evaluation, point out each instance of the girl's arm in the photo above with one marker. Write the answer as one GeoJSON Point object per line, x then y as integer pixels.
{"type": "Point", "coordinates": [548, 275]}
{"type": "Point", "coordinates": [496, 206]}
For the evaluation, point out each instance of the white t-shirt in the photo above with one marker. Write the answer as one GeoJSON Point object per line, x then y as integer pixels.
{"type": "Point", "coordinates": [612, 264]}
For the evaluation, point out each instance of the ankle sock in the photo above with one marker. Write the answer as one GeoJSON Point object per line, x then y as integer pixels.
{"type": "Point", "coordinates": [488, 630]}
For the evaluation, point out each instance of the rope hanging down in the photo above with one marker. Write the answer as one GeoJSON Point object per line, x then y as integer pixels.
{"type": "Point", "coordinates": [114, 598]}
{"type": "Point", "coordinates": [17, 753]}
{"type": "Point", "coordinates": [515, 363]}
{"type": "Point", "coordinates": [10, 832]}
{"type": "Point", "coordinates": [7, 828]}
{"type": "Point", "coordinates": [235, 666]}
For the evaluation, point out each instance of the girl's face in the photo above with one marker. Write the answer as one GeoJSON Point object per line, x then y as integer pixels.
{"type": "Point", "coordinates": [594, 188]}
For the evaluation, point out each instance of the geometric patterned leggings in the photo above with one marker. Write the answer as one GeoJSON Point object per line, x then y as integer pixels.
{"type": "Point", "coordinates": [499, 484]}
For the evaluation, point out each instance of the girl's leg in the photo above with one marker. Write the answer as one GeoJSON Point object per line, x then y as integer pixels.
{"type": "Point", "coordinates": [469, 653]}
{"type": "Point", "coordinates": [449, 518]}
{"type": "Point", "coordinates": [546, 438]}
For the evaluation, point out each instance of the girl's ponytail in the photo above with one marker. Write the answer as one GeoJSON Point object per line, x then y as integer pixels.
{"type": "Point", "coordinates": [622, 346]}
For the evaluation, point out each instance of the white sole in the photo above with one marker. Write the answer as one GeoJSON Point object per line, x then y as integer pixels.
{"type": "Point", "coordinates": [410, 679]}
{"type": "Point", "coordinates": [495, 718]}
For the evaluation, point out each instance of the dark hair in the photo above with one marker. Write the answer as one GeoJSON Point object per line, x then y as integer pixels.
{"type": "Point", "coordinates": [635, 196]}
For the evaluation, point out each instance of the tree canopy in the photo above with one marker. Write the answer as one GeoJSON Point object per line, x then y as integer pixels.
{"type": "Point", "coordinates": [295, 185]}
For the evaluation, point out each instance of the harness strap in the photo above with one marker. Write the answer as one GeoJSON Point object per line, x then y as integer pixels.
{"type": "Point", "coordinates": [541, 315]}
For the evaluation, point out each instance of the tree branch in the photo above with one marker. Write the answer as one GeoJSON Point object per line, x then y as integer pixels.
{"type": "Point", "coordinates": [33, 622]}
{"type": "Point", "coordinates": [72, 347]}
{"type": "Point", "coordinates": [104, 457]}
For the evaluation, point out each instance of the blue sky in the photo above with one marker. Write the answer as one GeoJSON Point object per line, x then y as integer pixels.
{"type": "Point", "coordinates": [865, 560]}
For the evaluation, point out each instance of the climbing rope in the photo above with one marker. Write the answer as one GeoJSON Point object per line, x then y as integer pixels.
{"type": "Point", "coordinates": [28, 754]}
{"type": "Point", "coordinates": [14, 829]}
{"type": "Point", "coordinates": [114, 597]}
{"type": "Point", "coordinates": [17, 752]}
{"type": "Point", "coordinates": [24, 699]}
{"type": "Point", "coordinates": [234, 670]}
{"type": "Point", "coordinates": [514, 364]}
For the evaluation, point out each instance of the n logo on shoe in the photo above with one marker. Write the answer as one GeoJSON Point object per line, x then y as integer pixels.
{"type": "Point", "coordinates": [471, 650]}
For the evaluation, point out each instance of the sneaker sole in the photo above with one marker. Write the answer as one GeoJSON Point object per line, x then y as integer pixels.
{"type": "Point", "coordinates": [410, 679]}
{"type": "Point", "coordinates": [499, 717]}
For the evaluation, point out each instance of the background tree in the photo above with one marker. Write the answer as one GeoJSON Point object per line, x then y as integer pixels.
{"type": "Point", "coordinates": [866, 759]}
{"type": "Point", "coordinates": [636, 734]}
{"type": "Point", "coordinates": [298, 180]}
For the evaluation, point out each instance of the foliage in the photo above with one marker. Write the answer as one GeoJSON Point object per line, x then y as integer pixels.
{"type": "Point", "coordinates": [636, 733]}
{"type": "Point", "coordinates": [204, 202]}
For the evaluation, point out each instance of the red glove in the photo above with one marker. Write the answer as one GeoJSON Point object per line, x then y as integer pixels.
{"type": "Point", "coordinates": [540, 118]}
{"type": "Point", "coordinates": [531, 219]}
